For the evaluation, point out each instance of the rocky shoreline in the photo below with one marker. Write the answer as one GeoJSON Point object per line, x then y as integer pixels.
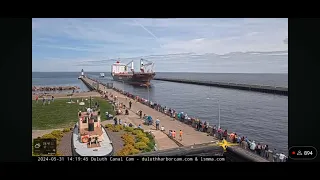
{"type": "Point", "coordinates": [54, 88]}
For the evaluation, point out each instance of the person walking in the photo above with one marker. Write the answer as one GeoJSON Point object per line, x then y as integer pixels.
{"type": "Point", "coordinates": [130, 104]}
{"type": "Point", "coordinates": [140, 114]}
{"type": "Point", "coordinates": [180, 135]}
{"type": "Point", "coordinates": [157, 124]}
{"type": "Point", "coordinates": [37, 98]}
{"type": "Point", "coordinates": [174, 134]}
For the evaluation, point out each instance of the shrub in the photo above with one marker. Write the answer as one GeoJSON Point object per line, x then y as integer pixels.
{"type": "Point", "coordinates": [129, 129]}
{"type": "Point", "coordinates": [145, 140]}
{"type": "Point", "coordinates": [128, 147]}
{"type": "Point", "coordinates": [128, 150]}
{"type": "Point", "coordinates": [134, 151]}
{"type": "Point", "coordinates": [108, 126]}
{"type": "Point", "coordinates": [151, 145]}
{"type": "Point", "coordinates": [147, 149]}
{"type": "Point", "coordinates": [151, 142]}
{"type": "Point", "coordinates": [121, 153]}
{"type": "Point", "coordinates": [120, 127]}
{"type": "Point", "coordinates": [140, 145]}
{"type": "Point", "coordinates": [137, 132]}
{"type": "Point", "coordinates": [149, 136]}
{"type": "Point", "coordinates": [58, 134]}
{"type": "Point", "coordinates": [65, 130]}
{"type": "Point", "coordinates": [116, 128]}
{"type": "Point", "coordinates": [128, 139]}
{"type": "Point", "coordinates": [141, 134]}
{"type": "Point", "coordinates": [49, 136]}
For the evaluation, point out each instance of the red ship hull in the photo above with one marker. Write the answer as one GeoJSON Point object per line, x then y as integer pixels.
{"type": "Point", "coordinates": [141, 79]}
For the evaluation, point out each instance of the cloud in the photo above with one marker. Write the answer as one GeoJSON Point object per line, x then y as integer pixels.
{"type": "Point", "coordinates": [80, 42]}
{"type": "Point", "coordinates": [237, 62]}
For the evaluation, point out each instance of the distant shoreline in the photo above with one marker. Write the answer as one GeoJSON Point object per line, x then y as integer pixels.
{"type": "Point", "coordinates": [156, 72]}
{"type": "Point", "coordinates": [65, 95]}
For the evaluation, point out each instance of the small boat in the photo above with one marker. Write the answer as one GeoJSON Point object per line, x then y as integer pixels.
{"type": "Point", "coordinates": [89, 137]}
{"type": "Point", "coordinates": [101, 74]}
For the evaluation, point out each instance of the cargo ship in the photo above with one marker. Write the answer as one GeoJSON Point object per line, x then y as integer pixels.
{"type": "Point", "coordinates": [120, 72]}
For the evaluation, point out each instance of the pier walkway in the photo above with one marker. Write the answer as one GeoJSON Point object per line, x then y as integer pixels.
{"type": "Point", "coordinates": [248, 87]}
{"type": "Point", "coordinates": [162, 140]}
{"type": "Point", "coordinates": [190, 136]}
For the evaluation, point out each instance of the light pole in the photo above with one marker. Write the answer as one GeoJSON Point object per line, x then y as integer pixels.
{"type": "Point", "coordinates": [218, 113]}
{"type": "Point", "coordinates": [148, 94]}
{"type": "Point", "coordinates": [123, 86]}
{"type": "Point", "coordinates": [90, 102]}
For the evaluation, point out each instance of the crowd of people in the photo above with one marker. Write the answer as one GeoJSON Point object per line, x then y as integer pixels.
{"type": "Point", "coordinates": [45, 100]}
{"type": "Point", "coordinates": [262, 150]}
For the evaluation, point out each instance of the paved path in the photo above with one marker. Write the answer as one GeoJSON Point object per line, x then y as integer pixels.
{"type": "Point", "coordinates": [64, 146]}
{"type": "Point", "coordinates": [190, 135]}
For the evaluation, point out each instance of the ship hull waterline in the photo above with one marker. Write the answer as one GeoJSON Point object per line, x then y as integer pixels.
{"type": "Point", "coordinates": [141, 79]}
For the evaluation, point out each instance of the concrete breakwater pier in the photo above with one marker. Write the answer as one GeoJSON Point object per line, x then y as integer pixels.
{"type": "Point", "coordinates": [190, 135]}
{"type": "Point", "coordinates": [257, 88]}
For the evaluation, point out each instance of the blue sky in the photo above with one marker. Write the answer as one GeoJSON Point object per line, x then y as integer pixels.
{"type": "Point", "coordinates": [175, 45]}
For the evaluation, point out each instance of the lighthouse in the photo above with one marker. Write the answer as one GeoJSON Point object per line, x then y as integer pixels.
{"type": "Point", "coordinates": [82, 75]}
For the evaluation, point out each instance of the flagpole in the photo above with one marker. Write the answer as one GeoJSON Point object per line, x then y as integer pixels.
{"type": "Point", "coordinates": [219, 115]}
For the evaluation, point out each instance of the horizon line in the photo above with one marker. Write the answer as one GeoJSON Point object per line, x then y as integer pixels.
{"type": "Point", "coordinates": [156, 72]}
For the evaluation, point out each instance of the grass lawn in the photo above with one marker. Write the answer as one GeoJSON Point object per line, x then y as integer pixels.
{"type": "Point", "coordinates": [61, 114]}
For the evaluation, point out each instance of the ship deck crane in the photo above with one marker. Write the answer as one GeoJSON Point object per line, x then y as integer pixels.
{"type": "Point", "coordinates": [130, 64]}
{"type": "Point", "coordinates": [143, 65]}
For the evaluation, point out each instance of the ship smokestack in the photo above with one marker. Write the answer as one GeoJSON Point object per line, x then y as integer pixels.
{"type": "Point", "coordinates": [91, 125]}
